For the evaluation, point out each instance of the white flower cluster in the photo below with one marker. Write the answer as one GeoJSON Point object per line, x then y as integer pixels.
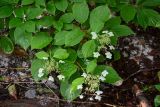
{"type": "Point", "coordinates": [103, 75]}
{"type": "Point", "coordinates": [61, 62]}
{"type": "Point", "coordinates": [108, 55]}
{"type": "Point", "coordinates": [61, 77]}
{"type": "Point", "coordinates": [40, 72]}
{"type": "Point", "coordinates": [94, 35]}
{"type": "Point", "coordinates": [96, 54]}
{"type": "Point", "coordinates": [108, 33]}
{"type": "Point", "coordinates": [51, 79]}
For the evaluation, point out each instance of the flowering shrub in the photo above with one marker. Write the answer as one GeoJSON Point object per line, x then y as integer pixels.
{"type": "Point", "coordinates": [72, 38]}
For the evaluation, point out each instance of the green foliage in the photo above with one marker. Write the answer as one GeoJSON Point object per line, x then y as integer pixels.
{"type": "Point", "coordinates": [157, 101]}
{"type": "Point", "coordinates": [88, 48]}
{"type": "Point", "coordinates": [72, 37]}
{"type": "Point", "coordinates": [6, 45]}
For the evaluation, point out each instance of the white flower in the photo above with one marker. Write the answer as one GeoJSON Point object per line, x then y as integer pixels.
{"type": "Point", "coordinates": [110, 34]}
{"type": "Point", "coordinates": [111, 47]}
{"type": "Point", "coordinates": [44, 27]}
{"type": "Point", "coordinates": [108, 55]}
{"type": "Point", "coordinates": [45, 58]}
{"type": "Point", "coordinates": [94, 35]}
{"type": "Point", "coordinates": [60, 77]}
{"type": "Point", "coordinates": [81, 96]}
{"type": "Point", "coordinates": [79, 87]}
{"type": "Point", "coordinates": [91, 99]}
{"type": "Point", "coordinates": [84, 75]}
{"type": "Point", "coordinates": [51, 78]}
{"type": "Point", "coordinates": [61, 62]}
{"type": "Point", "coordinates": [40, 72]}
{"type": "Point", "coordinates": [105, 32]}
{"type": "Point", "coordinates": [102, 78]}
{"type": "Point", "coordinates": [96, 54]}
{"type": "Point", "coordinates": [99, 92]}
{"type": "Point", "coordinates": [98, 97]}
{"type": "Point", "coordinates": [104, 73]}
{"type": "Point", "coordinates": [39, 17]}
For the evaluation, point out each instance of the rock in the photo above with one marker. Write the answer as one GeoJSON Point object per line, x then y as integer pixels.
{"type": "Point", "coordinates": [30, 94]}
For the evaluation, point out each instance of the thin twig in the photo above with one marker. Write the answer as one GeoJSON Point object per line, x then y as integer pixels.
{"type": "Point", "coordinates": [20, 68]}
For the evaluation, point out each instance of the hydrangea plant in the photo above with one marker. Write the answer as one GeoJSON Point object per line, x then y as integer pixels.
{"type": "Point", "coordinates": [72, 38]}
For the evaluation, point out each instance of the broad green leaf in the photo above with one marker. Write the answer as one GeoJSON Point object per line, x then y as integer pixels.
{"type": "Point", "coordinates": [40, 40]}
{"type": "Point", "coordinates": [76, 82]}
{"type": "Point", "coordinates": [116, 55]}
{"type": "Point", "coordinates": [19, 12]}
{"type": "Point", "coordinates": [22, 38]}
{"type": "Point", "coordinates": [67, 18]}
{"type": "Point", "coordinates": [157, 87]}
{"type": "Point", "coordinates": [72, 56]}
{"type": "Point", "coordinates": [6, 45]}
{"type": "Point", "coordinates": [122, 30]}
{"type": "Point", "coordinates": [30, 26]}
{"type": "Point", "coordinates": [51, 8]}
{"type": "Point", "coordinates": [67, 69]}
{"type": "Point", "coordinates": [128, 13]}
{"type": "Point", "coordinates": [112, 77]}
{"type": "Point", "coordinates": [147, 17]}
{"type": "Point", "coordinates": [73, 37]}
{"type": "Point", "coordinates": [6, 2]}
{"type": "Point", "coordinates": [40, 2]}
{"type": "Point", "coordinates": [148, 3]}
{"type": "Point", "coordinates": [5, 11]}
{"type": "Point", "coordinates": [35, 66]}
{"type": "Point", "coordinates": [157, 101]}
{"type": "Point", "coordinates": [46, 21]}
{"type": "Point", "coordinates": [91, 66]}
{"type": "Point", "coordinates": [61, 5]}
{"type": "Point", "coordinates": [113, 22]}
{"type": "Point", "coordinates": [114, 40]}
{"type": "Point", "coordinates": [88, 48]}
{"type": "Point", "coordinates": [27, 2]}
{"type": "Point", "coordinates": [42, 55]}
{"type": "Point", "coordinates": [61, 54]}
{"type": "Point", "coordinates": [98, 17]}
{"type": "Point", "coordinates": [59, 38]}
{"type": "Point", "coordinates": [33, 12]}
{"type": "Point", "coordinates": [58, 25]}
{"type": "Point", "coordinates": [80, 12]}
{"type": "Point", "coordinates": [14, 22]}
{"type": "Point", "coordinates": [67, 92]}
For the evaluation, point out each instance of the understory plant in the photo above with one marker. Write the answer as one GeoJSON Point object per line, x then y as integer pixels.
{"type": "Point", "coordinates": [73, 39]}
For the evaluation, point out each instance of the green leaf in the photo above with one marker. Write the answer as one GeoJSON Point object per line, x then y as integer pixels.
{"type": "Point", "coordinates": [46, 21]}
{"type": "Point", "coordinates": [61, 54]}
{"type": "Point", "coordinates": [6, 45]}
{"type": "Point", "coordinates": [40, 40]}
{"type": "Point", "coordinates": [112, 77]}
{"type": "Point", "coordinates": [33, 12]}
{"type": "Point", "coordinates": [22, 38]}
{"type": "Point", "coordinates": [88, 48]}
{"type": "Point", "coordinates": [80, 12]}
{"type": "Point", "coordinates": [73, 37]}
{"type": "Point", "coordinates": [36, 64]}
{"type": "Point", "coordinates": [51, 7]}
{"type": "Point", "coordinates": [157, 87]}
{"type": "Point", "coordinates": [122, 30]}
{"type": "Point", "coordinates": [67, 92]}
{"type": "Point", "coordinates": [98, 17]}
{"type": "Point", "coordinates": [91, 66]}
{"type": "Point", "coordinates": [30, 26]}
{"type": "Point", "coordinates": [14, 22]}
{"type": "Point", "coordinates": [113, 22]}
{"type": "Point", "coordinates": [58, 25]}
{"type": "Point", "coordinates": [40, 2]}
{"type": "Point", "coordinates": [76, 82]}
{"type": "Point", "coordinates": [67, 18]}
{"type": "Point", "coordinates": [19, 12]}
{"type": "Point", "coordinates": [147, 17]}
{"type": "Point", "coordinates": [72, 56]}
{"type": "Point", "coordinates": [116, 55]}
{"type": "Point", "coordinates": [67, 69]}
{"type": "Point", "coordinates": [128, 12]}
{"type": "Point", "coordinates": [59, 38]}
{"type": "Point", "coordinates": [148, 3]}
{"type": "Point", "coordinates": [27, 2]}
{"type": "Point", "coordinates": [5, 11]}
{"type": "Point", "coordinates": [157, 101]}
{"type": "Point", "coordinates": [61, 5]}
{"type": "Point", "coordinates": [42, 55]}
